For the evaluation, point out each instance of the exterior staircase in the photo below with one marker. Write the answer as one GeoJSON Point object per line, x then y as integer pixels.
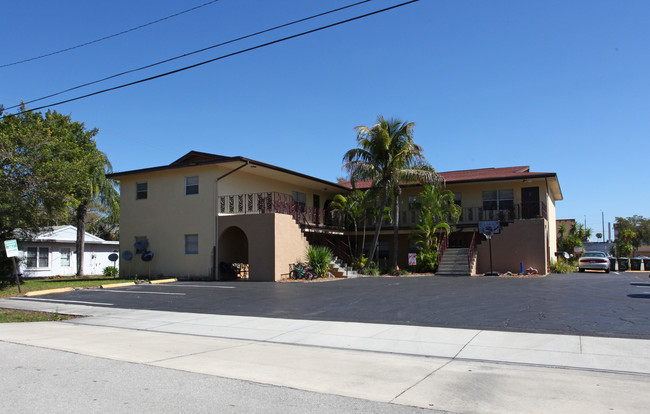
{"type": "Point", "coordinates": [454, 263]}
{"type": "Point", "coordinates": [340, 269]}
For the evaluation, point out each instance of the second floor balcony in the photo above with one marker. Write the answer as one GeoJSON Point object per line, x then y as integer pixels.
{"type": "Point", "coordinates": [274, 202]}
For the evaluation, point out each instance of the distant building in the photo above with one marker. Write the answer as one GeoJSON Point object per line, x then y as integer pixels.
{"type": "Point", "coordinates": [53, 253]}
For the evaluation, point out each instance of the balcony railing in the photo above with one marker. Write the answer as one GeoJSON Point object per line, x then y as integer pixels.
{"type": "Point", "coordinates": [273, 202]}
{"type": "Point", "coordinates": [472, 215]}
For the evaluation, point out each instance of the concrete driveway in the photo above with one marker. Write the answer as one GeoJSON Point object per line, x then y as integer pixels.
{"type": "Point", "coordinates": [594, 304]}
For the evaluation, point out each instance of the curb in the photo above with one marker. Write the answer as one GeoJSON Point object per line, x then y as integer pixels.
{"type": "Point", "coordinates": [155, 282]}
{"type": "Point", "coordinates": [49, 291]}
{"type": "Point", "coordinates": [113, 285]}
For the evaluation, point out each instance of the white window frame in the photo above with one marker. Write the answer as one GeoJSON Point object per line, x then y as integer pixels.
{"type": "Point", "coordinates": [38, 257]}
{"type": "Point", "coordinates": [66, 253]}
{"type": "Point", "coordinates": [191, 244]}
{"type": "Point", "coordinates": [192, 185]}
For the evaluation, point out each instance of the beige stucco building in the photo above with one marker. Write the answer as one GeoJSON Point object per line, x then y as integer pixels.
{"type": "Point", "coordinates": [204, 210]}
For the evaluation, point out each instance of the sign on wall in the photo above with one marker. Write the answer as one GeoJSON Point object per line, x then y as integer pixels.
{"type": "Point", "coordinates": [412, 259]}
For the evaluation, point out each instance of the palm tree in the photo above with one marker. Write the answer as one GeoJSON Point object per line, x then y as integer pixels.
{"type": "Point", "coordinates": [344, 207]}
{"type": "Point", "coordinates": [439, 203]}
{"type": "Point", "coordinates": [98, 189]}
{"type": "Point", "coordinates": [388, 156]}
{"type": "Point", "coordinates": [437, 211]}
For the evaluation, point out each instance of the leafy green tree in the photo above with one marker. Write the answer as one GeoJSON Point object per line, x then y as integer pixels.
{"type": "Point", "coordinates": [49, 164]}
{"type": "Point", "coordinates": [352, 211]}
{"type": "Point", "coordinates": [625, 242]}
{"type": "Point", "coordinates": [388, 156]}
{"type": "Point", "coordinates": [639, 225]}
{"type": "Point", "coordinates": [576, 236]}
{"type": "Point", "coordinates": [343, 207]}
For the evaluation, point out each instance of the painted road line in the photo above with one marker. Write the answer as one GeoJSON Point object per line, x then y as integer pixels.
{"type": "Point", "coordinates": [203, 287]}
{"type": "Point", "coordinates": [64, 301]}
{"type": "Point", "coordinates": [142, 292]}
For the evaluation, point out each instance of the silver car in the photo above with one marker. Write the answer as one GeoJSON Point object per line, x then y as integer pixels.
{"type": "Point", "coordinates": [593, 261]}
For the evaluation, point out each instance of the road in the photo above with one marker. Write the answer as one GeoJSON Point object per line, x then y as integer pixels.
{"type": "Point", "coordinates": [596, 304]}
{"type": "Point", "coordinates": [388, 345]}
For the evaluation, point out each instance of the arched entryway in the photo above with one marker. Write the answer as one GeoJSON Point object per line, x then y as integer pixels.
{"type": "Point", "coordinates": [233, 254]}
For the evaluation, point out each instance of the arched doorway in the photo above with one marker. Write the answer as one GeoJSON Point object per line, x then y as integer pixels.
{"type": "Point", "coordinates": [233, 254]}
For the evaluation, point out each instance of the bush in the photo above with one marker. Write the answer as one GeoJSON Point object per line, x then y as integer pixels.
{"type": "Point", "coordinates": [358, 263]}
{"type": "Point", "coordinates": [370, 269]}
{"type": "Point", "coordinates": [319, 258]}
{"type": "Point", "coordinates": [427, 261]}
{"type": "Point", "coordinates": [7, 276]}
{"type": "Point", "coordinates": [110, 271]}
{"type": "Point", "coordinates": [562, 267]}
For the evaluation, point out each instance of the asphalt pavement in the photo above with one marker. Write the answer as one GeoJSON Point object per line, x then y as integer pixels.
{"type": "Point", "coordinates": [592, 303]}
{"type": "Point", "coordinates": [399, 364]}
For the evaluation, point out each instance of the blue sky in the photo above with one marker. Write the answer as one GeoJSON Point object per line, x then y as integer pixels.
{"type": "Point", "coordinates": [562, 86]}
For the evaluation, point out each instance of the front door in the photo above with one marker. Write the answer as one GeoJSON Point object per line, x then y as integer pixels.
{"type": "Point", "coordinates": [529, 202]}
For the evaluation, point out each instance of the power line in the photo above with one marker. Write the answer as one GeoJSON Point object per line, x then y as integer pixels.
{"type": "Point", "coordinates": [191, 53]}
{"type": "Point", "coordinates": [109, 36]}
{"type": "Point", "coordinates": [239, 52]}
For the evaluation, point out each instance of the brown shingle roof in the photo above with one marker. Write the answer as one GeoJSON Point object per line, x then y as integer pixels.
{"type": "Point", "coordinates": [481, 174]}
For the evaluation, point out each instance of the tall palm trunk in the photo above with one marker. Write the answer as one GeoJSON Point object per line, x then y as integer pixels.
{"type": "Point", "coordinates": [82, 212]}
{"type": "Point", "coordinates": [380, 217]}
{"type": "Point", "coordinates": [396, 228]}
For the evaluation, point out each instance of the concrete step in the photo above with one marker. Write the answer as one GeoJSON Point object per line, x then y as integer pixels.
{"type": "Point", "coordinates": [340, 269]}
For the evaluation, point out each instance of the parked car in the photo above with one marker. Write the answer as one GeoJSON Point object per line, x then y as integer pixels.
{"type": "Point", "coordinates": [593, 261]}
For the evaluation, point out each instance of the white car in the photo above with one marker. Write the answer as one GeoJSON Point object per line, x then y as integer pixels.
{"type": "Point", "coordinates": [593, 261]}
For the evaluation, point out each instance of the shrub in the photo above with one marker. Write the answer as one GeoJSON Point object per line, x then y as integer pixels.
{"type": "Point", "coordinates": [319, 258]}
{"type": "Point", "coordinates": [110, 271]}
{"type": "Point", "coordinates": [7, 277]}
{"type": "Point", "coordinates": [427, 261]}
{"type": "Point", "coordinates": [562, 267]}
{"type": "Point", "coordinates": [358, 263]}
{"type": "Point", "coordinates": [370, 269]}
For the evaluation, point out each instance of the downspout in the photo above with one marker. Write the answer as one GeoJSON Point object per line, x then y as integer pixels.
{"type": "Point", "coordinates": [216, 211]}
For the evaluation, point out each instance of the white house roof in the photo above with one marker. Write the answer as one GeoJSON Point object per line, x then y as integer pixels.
{"type": "Point", "coordinates": [68, 234]}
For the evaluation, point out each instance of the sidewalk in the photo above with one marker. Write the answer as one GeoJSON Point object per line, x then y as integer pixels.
{"type": "Point", "coordinates": [457, 370]}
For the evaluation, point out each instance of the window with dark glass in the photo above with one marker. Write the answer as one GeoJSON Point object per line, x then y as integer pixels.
{"type": "Point", "coordinates": [300, 199]}
{"type": "Point", "coordinates": [65, 257]}
{"type": "Point", "coordinates": [498, 200]}
{"type": "Point", "coordinates": [191, 244]}
{"type": "Point", "coordinates": [141, 191]}
{"type": "Point", "coordinates": [38, 257]}
{"type": "Point", "coordinates": [191, 185]}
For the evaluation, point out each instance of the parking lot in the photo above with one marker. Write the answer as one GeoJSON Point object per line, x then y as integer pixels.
{"type": "Point", "coordinates": [591, 303]}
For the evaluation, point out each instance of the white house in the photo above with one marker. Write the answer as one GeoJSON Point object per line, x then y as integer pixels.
{"type": "Point", "coordinates": [53, 253]}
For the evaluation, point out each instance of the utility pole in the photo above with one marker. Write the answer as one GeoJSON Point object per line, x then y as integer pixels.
{"type": "Point", "coordinates": [603, 217]}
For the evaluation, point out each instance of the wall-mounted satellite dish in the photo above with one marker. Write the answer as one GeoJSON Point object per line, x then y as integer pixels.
{"type": "Point", "coordinates": [147, 256]}
{"type": "Point", "coordinates": [126, 255]}
{"type": "Point", "coordinates": [113, 257]}
{"type": "Point", "coordinates": [141, 244]}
